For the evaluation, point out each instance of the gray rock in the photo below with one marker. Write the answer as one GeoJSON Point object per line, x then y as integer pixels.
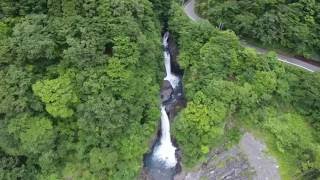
{"type": "Point", "coordinates": [174, 52]}
{"type": "Point", "coordinates": [264, 165]}
{"type": "Point", "coordinates": [166, 91]}
{"type": "Point", "coordinates": [145, 175]}
{"type": "Point", "coordinates": [245, 161]}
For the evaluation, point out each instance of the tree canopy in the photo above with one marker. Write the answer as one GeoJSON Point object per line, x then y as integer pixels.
{"type": "Point", "coordinates": [289, 25]}
{"type": "Point", "coordinates": [229, 87]}
{"type": "Point", "coordinates": [79, 87]}
{"type": "Point", "coordinates": [80, 80]}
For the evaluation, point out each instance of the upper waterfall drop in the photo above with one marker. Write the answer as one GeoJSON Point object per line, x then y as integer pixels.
{"type": "Point", "coordinates": [165, 39]}
{"type": "Point", "coordinates": [173, 79]}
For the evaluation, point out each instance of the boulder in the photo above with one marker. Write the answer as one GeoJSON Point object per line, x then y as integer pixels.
{"type": "Point", "coordinates": [166, 91]}
{"type": "Point", "coordinates": [144, 175]}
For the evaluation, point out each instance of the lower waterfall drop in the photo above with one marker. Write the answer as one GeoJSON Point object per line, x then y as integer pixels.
{"type": "Point", "coordinates": [165, 151]}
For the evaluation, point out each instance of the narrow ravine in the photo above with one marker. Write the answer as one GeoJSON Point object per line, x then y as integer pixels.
{"type": "Point", "coordinates": [162, 162]}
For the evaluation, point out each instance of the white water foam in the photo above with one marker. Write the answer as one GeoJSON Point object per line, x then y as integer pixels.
{"type": "Point", "coordinates": [174, 80]}
{"type": "Point", "coordinates": [165, 151]}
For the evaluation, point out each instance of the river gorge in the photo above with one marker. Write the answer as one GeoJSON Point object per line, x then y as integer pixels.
{"type": "Point", "coordinates": [163, 160]}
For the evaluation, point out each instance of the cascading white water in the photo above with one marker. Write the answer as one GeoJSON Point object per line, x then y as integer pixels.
{"type": "Point", "coordinates": [165, 127]}
{"type": "Point", "coordinates": [165, 151]}
{"type": "Point", "coordinates": [174, 80]}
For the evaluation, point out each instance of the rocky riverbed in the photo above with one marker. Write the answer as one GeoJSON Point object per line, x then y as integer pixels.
{"type": "Point", "coordinates": [247, 160]}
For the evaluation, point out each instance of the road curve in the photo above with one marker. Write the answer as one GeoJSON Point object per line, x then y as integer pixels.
{"type": "Point", "coordinates": [189, 9]}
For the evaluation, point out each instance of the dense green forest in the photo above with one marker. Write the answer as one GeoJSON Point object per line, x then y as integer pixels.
{"type": "Point", "coordinates": [228, 87]}
{"type": "Point", "coordinates": [79, 87]}
{"type": "Point", "coordinates": [286, 24]}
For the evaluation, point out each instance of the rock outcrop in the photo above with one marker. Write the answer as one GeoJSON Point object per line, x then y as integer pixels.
{"type": "Point", "coordinates": [166, 91]}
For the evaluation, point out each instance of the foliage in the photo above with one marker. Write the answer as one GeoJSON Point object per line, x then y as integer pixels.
{"type": "Point", "coordinates": [290, 131]}
{"type": "Point", "coordinates": [33, 42]}
{"type": "Point", "coordinates": [306, 93]}
{"type": "Point", "coordinates": [79, 87]}
{"type": "Point", "coordinates": [34, 133]}
{"type": "Point", "coordinates": [292, 25]}
{"type": "Point", "coordinates": [57, 94]}
{"type": "Point", "coordinates": [80, 82]}
{"type": "Point", "coordinates": [227, 86]}
{"type": "Point", "coordinates": [202, 125]}
{"type": "Point", "coordinates": [291, 139]}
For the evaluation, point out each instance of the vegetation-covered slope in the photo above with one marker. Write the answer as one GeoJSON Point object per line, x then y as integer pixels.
{"type": "Point", "coordinates": [80, 80]}
{"type": "Point", "coordinates": [293, 25]}
{"type": "Point", "coordinates": [79, 87]}
{"type": "Point", "coordinates": [228, 86]}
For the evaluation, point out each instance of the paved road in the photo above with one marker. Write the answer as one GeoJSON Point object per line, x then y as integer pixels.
{"type": "Point", "coordinates": [189, 9]}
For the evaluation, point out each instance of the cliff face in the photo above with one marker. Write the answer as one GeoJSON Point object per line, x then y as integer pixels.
{"type": "Point", "coordinates": [174, 51]}
{"type": "Point", "coordinates": [179, 101]}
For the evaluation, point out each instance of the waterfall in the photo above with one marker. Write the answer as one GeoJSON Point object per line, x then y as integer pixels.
{"type": "Point", "coordinates": [165, 151]}
{"type": "Point", "coordinates": [174, 80]}
{"type": "Point", "coordinates": [165, 127]}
